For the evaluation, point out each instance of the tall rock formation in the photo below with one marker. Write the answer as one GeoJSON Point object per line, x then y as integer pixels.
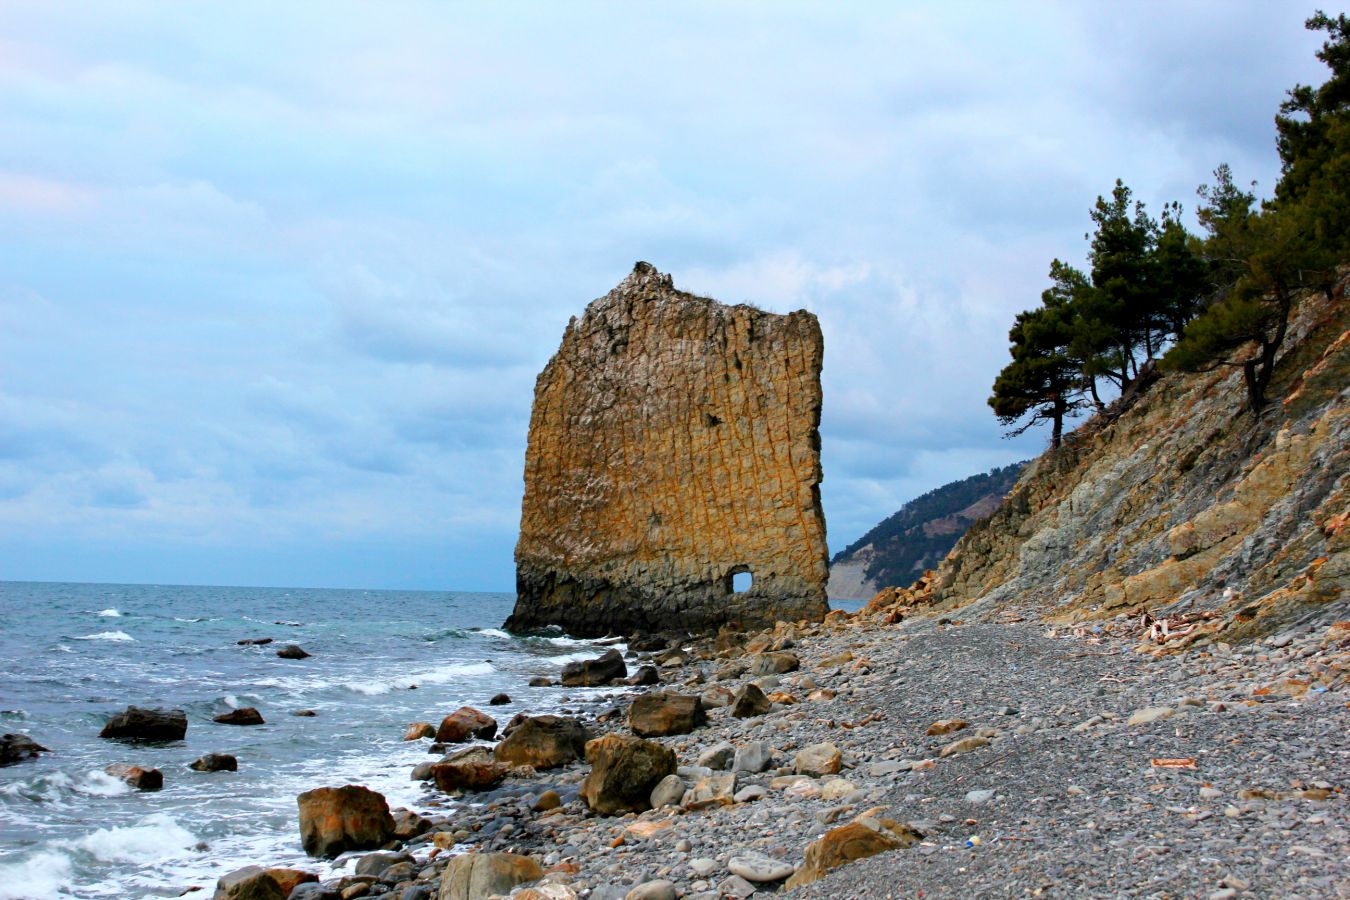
{"type": "Point", "coordinates": [673, 445]}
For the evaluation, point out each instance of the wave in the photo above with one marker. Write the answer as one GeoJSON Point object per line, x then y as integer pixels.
{"type": "Point", "coordinates": [43, 876]}
{"type": "Point", "coordinates": [492, 632]}
{"type": "Point", "coordinates": [110, 613]}
{"type": "Point", "coordinates": [107, 636]}
{"type": "Point", "coordinates": [442, 675]}
{"type": "Point", "coordinates": [154, 839]}
{"type": "Point", "coordinates": [446, 633]}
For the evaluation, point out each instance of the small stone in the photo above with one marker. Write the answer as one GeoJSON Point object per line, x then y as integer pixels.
{"type": "Point", "coordinates": [703, 866]}
{"type": "Point", "coordinates": [1150, 714]}
{"type": "Point", "coordinates": [981, 796]}
{"type": "Point", "coordinates": [888, 767]}
{"type": "Point", "coordinates": [719, 756]}
{"type": "Point", "coordinates": [248, 883]}
{"type": "Point", "coordinates": [139, 778]}
{"type": "Point", "coordinates": [965, 745]}
{"type": "Point", "coordinates": [752, 757]}
{"type": "Point", "coordinates": [669, 791]}
{"type": "Point", "coordinates": [749, 793]}
{"type": "Point", "coordinates": [541, 681]}
{"type": "Point", "coordinates": [712, 790]}
{"type": "Point", "coordinates": [735, 887]}
{"type": "Point", "coordinates": [750, 701]}
{"type": "Point", "coordinates": [820, 759]}
{"type": "Point", "coordinates": [653, 890]}
{"type": "Point", "coordinates": [1210, 793]}
{"type": "Point", "coordinates": [947, 726]}
{"type": "Point", "coordinates": [836, 790]}
{"type": "Point", "coordinates": [756, 868]}
{"type": "Point", "coordinates": [418, 730]}
{"type": "Point", "coordinates": [547, 800]}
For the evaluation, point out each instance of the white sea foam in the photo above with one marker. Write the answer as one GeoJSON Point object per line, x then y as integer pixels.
{"type": "Point", "coordinates": [107, 636]}
{"type": "Point", "coordinates": [101, 784]}
{"type": "Point", "coordinates": [154, 839]}
{"type": "Point", "coordinates": [442, 675]}
{"type": "Point", "coordinates": [572, 657]}
{"type": "Point", "coordinates": [42, 876]}
{"type": "Point", "coordinates": [567, 642]}
{"type": "Point", "coordinates": [493, 632]}
{"type": "Point", "coordinates": [110, 613]}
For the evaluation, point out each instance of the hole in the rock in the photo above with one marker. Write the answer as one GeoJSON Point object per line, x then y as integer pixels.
{"type": "Point", "coordinates": [741, 581]}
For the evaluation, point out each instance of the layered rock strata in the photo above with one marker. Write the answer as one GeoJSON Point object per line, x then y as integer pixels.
{"type": "Point", "coordinates": [673, 445]}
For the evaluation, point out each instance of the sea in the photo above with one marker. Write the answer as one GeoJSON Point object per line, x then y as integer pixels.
{"type": "Point", "coordinates": [71, 655]}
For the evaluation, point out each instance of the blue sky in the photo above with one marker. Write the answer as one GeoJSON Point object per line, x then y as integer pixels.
{"type": "Point", "coordinates": [276, 279]}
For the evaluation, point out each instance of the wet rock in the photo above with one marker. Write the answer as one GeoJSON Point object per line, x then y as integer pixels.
{"type": "Point", "coordinates": [752, 757]}
{"type": "Point", "coordinates": [139, 778]}
{"type": "Point", "coordinates": [476, 876]}
{"type": "Point", "coordinates": [669, 791]}
{"type": "Point", "coordinates": [947, 726]}
{"type": "Point", "coordinates": [248, 883]}
{"type": "Point", "coordinates": [247, 642]}
{"type": "Point", "coordinates": [819, 759]}
{"type": "Point", "coordinates": [141, 724]}
{"type": "Point", "coordinates": [471, 769]}
{"type": "Point", "coordinates": [418, 730]}
{"type": "Point", "coordinates": [757, 868]}
{"type": "Point", "coordinates": [305, 713]}
{"type": "Point", "coordinates": [215, 762]}
{"type": "Point", "coordinates": [774, 663]}
{"type": "Point", "coordinates": [846, 843]}
{"type": "Point", "coordinates": [661, 714]}
{"type": "Point", "coordinates": [499, 700]}
{"type": "Point", "coordinates": [645, 675]}
{"type": "Point", "coordinates": [710, 791]}
{"type": "Point", "coordinates": [409, 824]}
{"type": "Point", "coordinates": [594, 672]}
{"type": "Point", "coordinates": [335, 820]}
{"type": "Point", "coordinates": [244, 715]}
{"type": "Point", "coordinates": [541, 681]}
{"type": "Point", "coordinates": [624, 770]}
{"type": "Point", "coordinates": [292, 651]}
{"type": "Point", "coordinates": [543, 742]}
{"type": "Point", "coordinates": [375, 863]}
{"type": "Point", "coordinates": [465, 724]}
{"type": "Point", "coordinates": [290, 879]}
{"type": "Point", "coordinates": [749, 701]}
{"type": "Point", "coordinates": [653, 890]}
{"type": "Point", "coordinates": [422, 771]}
{"type": "Point", "coordinates": [18, 747]}
{"type": "Point", "coordinates": [312, 890]}
{"type": "Point", "coordinates": [648, 643]}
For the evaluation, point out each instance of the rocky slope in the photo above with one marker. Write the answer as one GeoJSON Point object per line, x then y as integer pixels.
{"type": "Point", "coordinates": [673, 444]}
{"type": "Point", "coordinates": [918, 535]}
{"type": "Point", "coordinates": [1184, 505]}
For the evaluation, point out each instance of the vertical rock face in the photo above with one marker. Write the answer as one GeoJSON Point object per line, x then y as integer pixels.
{"type": "Point", "coordinates": [673, 445]}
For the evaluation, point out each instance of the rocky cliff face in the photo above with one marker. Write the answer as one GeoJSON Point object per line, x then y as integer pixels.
{"type": "Point", "coordinates": [1184, 503]}
{"type": "Point", "coordinates": [673, 444]}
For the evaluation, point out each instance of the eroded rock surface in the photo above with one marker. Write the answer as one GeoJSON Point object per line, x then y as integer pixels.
{"type": "Point", "coordinates": [673, 444]}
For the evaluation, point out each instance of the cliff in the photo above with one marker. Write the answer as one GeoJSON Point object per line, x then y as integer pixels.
{"type": "Point", "coordinates": [673, 445]}
{"type": "Point", "coordinates": [918, 535]}
{"type": "Point", "coordinates": [1184, 504]}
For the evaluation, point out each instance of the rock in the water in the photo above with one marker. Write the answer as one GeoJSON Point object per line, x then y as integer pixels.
{"type": "Point", "coordinates": [292, 651]}
{"type": "Point", "coordinates": [215, 762]}
{"type": "Point", "coordinates": [471, 769]}
{"type": "Point", "coordinates": [139, 778]}
{"type": "Point", "coordinates": [624, 770]}
{"type": "Point", "coordinates": [752, 757]}
{"type": "Point", "coordinates": [718, 757]}
{"type": "Point", "coordinates": [856, 840]}
{"type": "Point", "coordinates": [661, 889]}
{"type": "Point", "coordinates": [477, 876]}
{"type": "Point", "coordinates": [290, 879]}
{"type": "Point", "coordinates": [248, 883]}
{"type": "Point", "coordinates": [669, 791]}
{"type": "Point", "coordinates": [541, 681]}
{"type": "Point", "coordinates": [18, 747]}
{"type": "Point", "coordinates": [305, 713]}
{"type": "Point", "coordinates": [661, 714]}
{"type": "Point", "coordinates": [758, 868]}
{"type": "Point", "coordinates": [711, 790]}
{"type": "Point", "coordinates": [819, 759]}
{"type": "Point", "coordinates": [499, 700]}
{"type": "Point", "coordinates": [774, 663]}
{"type": "Point", "coordinates": [660, 538]}
{"type": "Point", "coordinates": [247, 642]}
{"type": "Point", "coordinates": [335, 820]}
{"type": "Point", "coordinates": [418, 730]}
{"type": "Point", "coordinates": [544, 742]}
{"type": "Point", "coordinates": [244, 715]}
{"type": "Point", "coordinates": [465, 724]}
{"type": "Point", "coordinates": [140, 724]}
{"type": "Point", "coordinates": [645, 675]}
{"type": "Point", "coordinates": [608, 666]}
{"type": "Point", "coordinates": [749, 701]}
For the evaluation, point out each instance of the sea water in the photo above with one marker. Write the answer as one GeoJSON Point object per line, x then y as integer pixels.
{"type": "Point", "coordinates": [71, 655]}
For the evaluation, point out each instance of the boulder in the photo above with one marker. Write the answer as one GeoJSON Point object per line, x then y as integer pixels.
{"type": "Point", "coordinates": [244, 715]}
{"type": "Point", "coordinates": [711, 790]}
{"type": "Point", "coordinates": [18, 747]}
{"type": "Point", "coordinates": [376, 863]}
{"type": "Point", "coordinates": [418, 730]}
{"type": "Point", "coordinates": [752, 757]}
{"type": "Point", "coordinates": [139, 778]}
{"type": "Point", "coordinates": [541, 681]}
{"type": "Point", "coordinates": [292, 651]}
{"type": "Point", "coordinates": [477, 876]}
{"type": "Point", "coordinates": [605, 668]}
{"type": "Point", "coordinates": [215, 762]}
{"type": "Point", "coordinates": [290, 879]}
{"type": "Point", "coordinates": [718, 757]}
{"type": "Point", "coordinates": [313, 890]}
{"type": "Point", "coordinates": [661, 889]}
{"type": "Point", "coordinates": [499, 700]}
{"type": "Point", "coordinates": [544, 742]}
{"type": "Point", "coordinates": [140, 724]}
{"type": "Point", "coordinates": [335, 820]}
{"type": "Point", "coordinates": [645, 675]}
{"type": "Point", "coordinates": [774, 663]}
{"type": "Point", "coordinates": [857, 840]}
{"type": "Point", "coordinates": [661, 714]}
{"type": "Point", "coordinates": [464, 724]}
{"type": "Point", "coordinates": [749, 701]}
{"type": "Point", "coordinates": [669, 791]}
{"type": "Point", "coordinates": [819, 759]}
{"type": "Point", "coordinates": [716, 697]}
{"type": "Point", "coordinates": [624, 770]}
{"type": "Point", "coordinates": [471, 769]}
{"type": "Point", "coordinates": [409, 824]}
{"type": "Point", "coordinates": [248, 883]}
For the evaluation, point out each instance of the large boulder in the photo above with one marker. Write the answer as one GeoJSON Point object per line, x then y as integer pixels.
{"type": "Point", "coordinates": [594, 672]}
{"type": "Point", "coordinates": [244, 715]}
{"type": "Point", "coordinates": [139, 778]}
{"type": "Point", "coordinates": [749, 701]}
{"type": "Point", "coordinates": [140, 724]}
{"type": "Point", "coordinates": [465, 724]}
{"type": "Point", "coordinates": [471, 769]}
{"type": "Point", "coordinates": [624, 770]}
{"type": "Point", "coordinates": [248, 883]}
{"type": "Point", "coordinates": [477, 876]}
{"type": "Point", "coordinates": [660, 714]}
{"type": "Point", "coordinates": [544, 742]}
{"type": "Point", "coordinates": [857, 840]}
{"type": "Point", "coordinates": [18, 747]}
{"type": "Point", "coordinates": [335, 820]}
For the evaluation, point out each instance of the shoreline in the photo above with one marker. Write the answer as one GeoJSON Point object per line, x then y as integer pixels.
{"type": "Point", "coordinates": [1050, 784]}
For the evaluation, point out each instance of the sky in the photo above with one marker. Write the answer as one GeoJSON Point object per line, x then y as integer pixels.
{"type": "Point", "coordinates": [276, 279]}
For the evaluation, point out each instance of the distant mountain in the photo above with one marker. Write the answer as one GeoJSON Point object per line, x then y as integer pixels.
{"type": "Point", "coordinates": [918, 536]}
